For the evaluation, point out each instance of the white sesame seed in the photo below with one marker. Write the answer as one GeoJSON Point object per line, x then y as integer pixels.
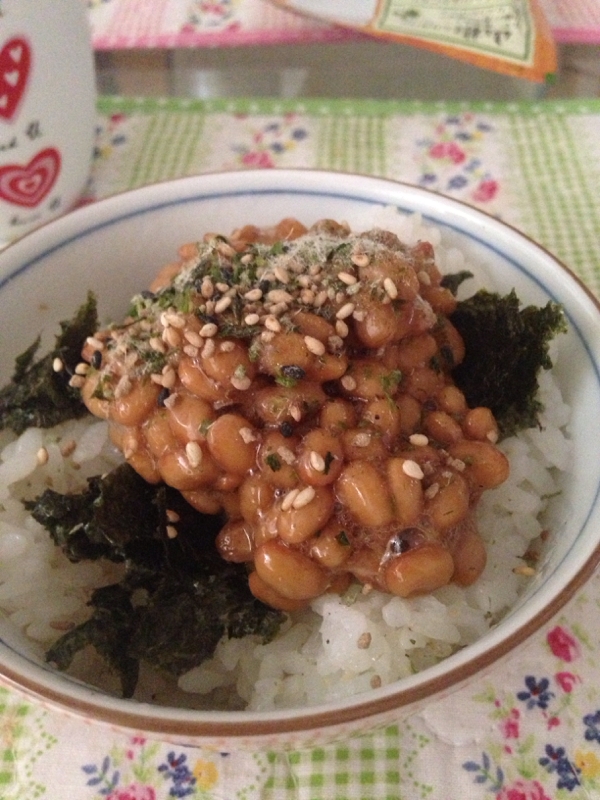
{"type": "Point", "coordinates": [362, 439]}
{"type": "Point", "coordinates": [246, 258]}
{"type": "Point", "coordinates": [314, 345]}
{"type": "Point", "coordinates": [364, 641]}
{"type": "Point", "coordinates": [77, 381]}
{"type": "Point", "coordinates": [288, 500]}
{"type": "Point", "coordinates": [222, 287]}
{"type": "Point", "coordinates": [492, 436]}
{"type": "Point", "coordinates": [281, 274]}
{"type": "Point", "coordinates": [176, 320]}
{"type": "Point", "coordinates": [227, 347]}
{"type": "Point", "coordinates": [253, 295]}
{"type": "Point", "coordinates": [320, 299]}
{"type": "Point", "coordinates": [279, 296]}
{"type": "Point", "coordinates": [317, 461]}
{"type": "Point", "coordinates": [171, 337]}
{"type": "Point", "coordinates": [359, 315]}
{"type": "Point", "coordinates": [157, 345]}
{"type": "Point", "coordinates": [68, 447]}
{"type": "Point", "coordinates": [359, 259]}
{"type": "Point", "coordinates": [304, 497]}
{"type": "Point", "coordinates": [42, 456]}
{"type": "Point", "coordinates": [208, 330]}
{"type": "Point", "coordinates": [191, 351]}
{"type": "Point", "coordinates": [94, 342]}
{"type": "Point", "coordinates": [247, 435]}
{"type": "Point", "coordinates": [335, 343]}
{"type": "Point", "coordinates": [267, 336]}
{"type": "Point", "coordinates": [171, 531]}
{"type": "Point", "coordinates": [222, 305]}
{"type": "Point", "coordinates": [251, 319]}
{"type": "Point", "coordinates": [241, 383]}
{"type": "Point", "coordinates": [193, 452]}
{"type": "Point", "coordinates": [390, 288]}
{"type": "Point", "coordinates": [286, 454]}
{"type": "Point", "coordinates": [307, 296]}
{"type": "Point", "coordinates": [208, 349]}
{"type": "Point", "coordinates": [172, 516]}
{"type": "Point", "coordinates": [347, 278]}
{"type": "Point", "coordinates": [295, 412]}
{"type": "Point", "coordinates": [528, 572]}
{"type": "Point", "coordinates": [207, 289]}
{"type": "Point", "coordinates": [193, 338]}
{"type": "Point", "coordinates": [171, 400]}
{"type": "Point", "coordinates": [169, 378]}
{"type": "Point", "coordinates": [424, 278]}
{"type": "Point", "coordinates": [341, 328]}
{"type": "Point", "coordinates": [431, 491]}
{"type": "Point", "coordinates": [418, 439]}
{"type": "Point", "coordinates": [57, 365]}
{"type": "Point", "coordinates": [345, 311]}
{"type": "Point", "coordinates": [348, 383]}
{"type": "Point", "coordinates": [272, 324]}
{"type": "Point", "coordinates": [412, 469]}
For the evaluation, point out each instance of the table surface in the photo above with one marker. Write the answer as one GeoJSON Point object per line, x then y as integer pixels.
{"type": "Point", "coordinates": [120, 24]}
{"type": "Point", "coordinates": [529, 730]}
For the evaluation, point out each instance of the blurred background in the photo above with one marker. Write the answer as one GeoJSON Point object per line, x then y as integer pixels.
{"type": "Point", "coordinates": [234, 48]}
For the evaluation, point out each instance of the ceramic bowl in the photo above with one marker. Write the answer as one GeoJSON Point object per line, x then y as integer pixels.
{"type": "Point", "coordinates": [115, 246]}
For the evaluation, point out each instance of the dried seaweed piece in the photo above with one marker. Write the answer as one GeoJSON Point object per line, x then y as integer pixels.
{"type": "Point", "coordinates": [37, 395]}
{"type": "Point", "coordinates": [506, 346]}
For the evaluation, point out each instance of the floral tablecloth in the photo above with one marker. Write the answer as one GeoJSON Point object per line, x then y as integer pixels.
{"type": "Point", "coordinates": [529, 730]}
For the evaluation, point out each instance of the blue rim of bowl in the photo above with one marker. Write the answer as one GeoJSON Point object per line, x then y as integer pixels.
{"type": "Point", "coordinates": [131, 715]}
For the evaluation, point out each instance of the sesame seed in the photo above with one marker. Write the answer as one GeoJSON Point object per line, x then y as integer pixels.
{"type": "Point", "coordinates": [317, 461]}
{"type": "Point", "coordinates": [176, 320]}
{"type": "Point", "coordinates": [170, 401]}
{"type": "Point", "coordinates": [279, 296]}
{"type": "Point", "coordinates": [295, 412]}
{"type": "Point", "coordinates": [431, 491]}
{"type": "Point", "coordinates": [375, 682]}
{"type": "Point", "coordinates": [348, 383]}
{"type": "Point", "coordinates": [307, 296]}
{"type": "Point", "coordinates": [304, 497]}
{"type": "Point", "coordinates": [57, 365]}
{"type": "Point", "coordinates": [424, 278]}
{"type": "Point", "coordinates": [364, 641]}
{"type": "Point", "coordinates": [222, 287]}
{"type": "Point", "coordinates": [242, 383]}
{"type": "Point", "coordinates": [253, 295]}
{"type": "Point", "coordinates": [412, 469]}
{"type": "Point", "coordinates": [335, 343]}
{"type": "Point", "coordinates": [251, 319]}
{"type": "Point", "coordinates": [208, 349]}
{"type": "Point", "coordinates": [157, 345]}
{"type": "Point", "coordinates": [193, 452]}
{"type": "Point", "coordinates": [341, 328]}
{"type": "Point", "coordinates": [492, 436]}
{"type": "Point", "coordinates": [362, 439]}
{"type": "Point", "coordinates": [286, 454]}
{"type": "Point", "coordinates": [77, 381]}
{"type": "Point", "coordinates": [208, 330]}
{"type": "Point", "coordinates": [225, 249]}
{"type": "Point", "coordinates": [207, 289]}
{"type": "Point", "coordinates": [457, 463]}
{"type": "Point", "coordinates": [94, 342]}
{"type": "Point", "coordinates": [222, 304]}
{"type": "Point", "coordinates": [345, 311]}
{"type": "Point", "coordinates": [281, 274]}
{"type": "Point", "coordinates": [247, 435]}
{"type": "Point", "coordinates": [191, 351]}
{"type": "Point", "coordinates": [528, 572]}
{"type": "Point", "coordinates": [171, 337]}
{"type": "Point", "coordinates": [359, 315]}
{"type": "Point", "coordinates": [359, 259]}
{"type": "Point", "coordinates": [320, 299]}
{"type": "Point", "coordinates": [267, 336]}
{"type": "Point", "coordinates": [288, 500]}
{"type": "Point", "coordinates": [68, 447]}
{"type": "Point", "coordinates": [314, 345]}
{"type": "Point", "coordinates": [418, 439]}
{"type": "Point", "coordinates": [169, 378]}
{"type": "Point", "coordinates": [42, 456]}
{"type": "Point", "coordinates": [272, 324]}
{"type": "Point", "coordinates": [347, 278]}
{"type": "Point", "coordinates": [172, 516]}
{"type": "Point", "coordinates": [390, 288]}
{"type": "Point", "coordinates": [171, 531]}
{"type": "Point", "coordinates": [227, 347]}
{"type": "Point", "coordinates": [247, 258]}
{"type": "Point", "coordinates": [193, 338]}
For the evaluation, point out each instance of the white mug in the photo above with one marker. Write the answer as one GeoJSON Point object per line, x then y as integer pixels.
{"type": "Point", "coordinates": [47, 111]}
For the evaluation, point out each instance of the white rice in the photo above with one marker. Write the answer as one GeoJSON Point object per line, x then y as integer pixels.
{"type": "Point", "coordinates": [334, 649]}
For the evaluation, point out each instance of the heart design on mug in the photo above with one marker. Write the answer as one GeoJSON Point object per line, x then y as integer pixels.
{"type": "Point", "coordinates": [15, 61]}
{"type": "Point", "coordinates": [28, 185]}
